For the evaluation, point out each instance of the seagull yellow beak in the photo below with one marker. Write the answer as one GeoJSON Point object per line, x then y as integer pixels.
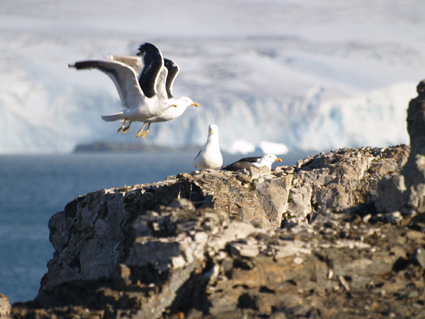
{"type": "Point", "coordinates": [212, 132]}
{"type": "Point", "coordinates": [278, 160]}
{"type": "Point", "coordinates": [173, 105]}
{"type": "Point", "coordinates": [195, 104]}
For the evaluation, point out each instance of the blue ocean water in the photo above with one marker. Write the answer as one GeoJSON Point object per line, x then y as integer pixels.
{"type": "Point", "coordinates": [33, 188]}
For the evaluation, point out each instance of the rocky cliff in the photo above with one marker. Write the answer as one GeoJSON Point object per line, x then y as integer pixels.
{"type": "Point", "coordinates": [339, 235]}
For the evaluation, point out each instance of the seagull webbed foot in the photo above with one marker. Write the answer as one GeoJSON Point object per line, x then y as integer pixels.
{"type": "Point", "coordinates": [141, 131]}
{"type": "Point", "coordinates": [122, 126]}
{"type": "Point", "coordinates": [146, 132]}
{"type": "Point", "coordinates": [120, 129]}
{"type": "Point", "coordinates": [126, 128]}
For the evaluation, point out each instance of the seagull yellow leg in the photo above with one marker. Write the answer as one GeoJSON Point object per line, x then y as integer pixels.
{"type": "Point", "coordinates": [122, 126]}
{"type": "Point", "coordinates": [140, 132]}
{"type": "Point", "coordinates": [146, 132]}
{"type": "Point", "coordinates": [126, 128]}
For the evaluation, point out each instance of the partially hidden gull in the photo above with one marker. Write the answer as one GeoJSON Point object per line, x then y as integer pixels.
{"type": "Point", "coordinates": [169, 70]}
{"type": "Point", "coordinates": [210, 156]}
{"type": "Point", "coordinates": [266, 160]}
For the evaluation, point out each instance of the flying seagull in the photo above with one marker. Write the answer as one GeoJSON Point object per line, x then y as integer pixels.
{"type": "Point", "coordinates": [266, 160]}
{"type": "Point", "coordinates": [146, 78]}
{"type": "Point", "coordinates": [138, 106]}
{"type": "Point", "coordinates": [210, 155]}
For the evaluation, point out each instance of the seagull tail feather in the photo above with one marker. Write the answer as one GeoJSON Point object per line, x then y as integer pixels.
{"type": "Point", "coordinates": [112, 117]}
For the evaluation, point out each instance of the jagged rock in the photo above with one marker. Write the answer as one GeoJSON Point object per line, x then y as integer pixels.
{"type": "Point", "coordinates": [343, 178]}
{"type": "Point", "coordinates": [89, 236]}
{"type": "Point", "coordinates": [208, 239]}
{"type": "Point", "coordinates": [208, 243]}
{"type": "Point", "coordinates": [183, 261]}
{"type": "Point", "coordinates": [299, 203]}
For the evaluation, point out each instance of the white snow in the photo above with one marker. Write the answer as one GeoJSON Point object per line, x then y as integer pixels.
{"type": "Point", "coordinates": [306, 74]}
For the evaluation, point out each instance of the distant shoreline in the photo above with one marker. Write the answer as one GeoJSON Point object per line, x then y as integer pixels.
{"type": "Point", "coordinates": [108, 146]}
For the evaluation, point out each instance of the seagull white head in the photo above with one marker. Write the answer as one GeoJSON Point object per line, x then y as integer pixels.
{"type": "Point", "coordinates": [268, 160]}
{"type": "Point", "coordinates": [184, 102]}
{"type": "Point", "coordinates": [212, 130]}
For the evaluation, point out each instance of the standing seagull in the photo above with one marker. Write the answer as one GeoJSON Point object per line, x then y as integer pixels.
{"type": "Point", "coordinates": [145, 78]}
{"type": "Point", "coordinates": [266, 160]}
{"type": "Point", "coordinates": [138, 106]}
{"type": "Point", "coordinates": [210, 155]}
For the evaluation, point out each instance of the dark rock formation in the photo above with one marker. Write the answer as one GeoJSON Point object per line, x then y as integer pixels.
{"type": "Point", "coordinates": [405, 192]}
{"type": "Point", "coordinates": [339, 235]}
{"type": "Point", "coordinates": [414, 173]}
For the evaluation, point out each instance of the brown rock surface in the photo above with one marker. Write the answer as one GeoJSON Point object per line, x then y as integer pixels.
{"type": "Point", "coordinates": [210, 243]}
{"type": "Point", "coordinates": [92, 235]}
{"type": "Point", "coordinates": [183, 262]}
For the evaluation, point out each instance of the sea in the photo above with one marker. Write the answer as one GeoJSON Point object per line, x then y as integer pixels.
{"type": "Point", "coordinates": [35, 187]}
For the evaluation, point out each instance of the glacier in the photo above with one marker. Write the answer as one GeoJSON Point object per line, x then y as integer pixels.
{"type": "Point", "coordinates": [274, 75]}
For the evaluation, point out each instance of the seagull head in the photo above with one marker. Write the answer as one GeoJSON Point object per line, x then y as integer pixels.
{"type": "Point", "coordinates": [184, 102]}
{"type": "Point", "coordinates": [268, 160]}
{"type": "Point", "coordinates": [212, 129]}
{"type": "Point", "coordinates": [188, 102]}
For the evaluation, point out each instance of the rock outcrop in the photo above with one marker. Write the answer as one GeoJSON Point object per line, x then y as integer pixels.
{"type": "Point", "coordinates": [405, 192]}
{"type": "Point", "coordinates": [95, 232]}
{"type": "Point", "coordinates": [339, 235]}
{"type": "Point", "coordinates": [215, 243]}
